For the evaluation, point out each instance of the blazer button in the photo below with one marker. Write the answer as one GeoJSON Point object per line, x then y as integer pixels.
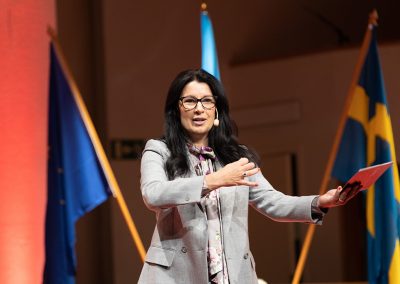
{"type": "Point", "coordinates": [246, 255]}
{"type": "Point", "coordinates": [184, 249]}
{"type": "Point", "coordinates": [187, 198]}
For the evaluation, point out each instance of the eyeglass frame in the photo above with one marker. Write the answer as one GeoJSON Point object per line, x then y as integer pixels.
{"type": "Point", "coordinates": [197, 102]}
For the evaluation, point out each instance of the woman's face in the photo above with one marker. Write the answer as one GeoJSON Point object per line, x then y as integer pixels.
{"type": "Point", "coordinates": [197, 121]}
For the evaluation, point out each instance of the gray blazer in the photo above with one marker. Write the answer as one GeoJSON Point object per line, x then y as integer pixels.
{"type": "Point", "coordinates": [178, 250]}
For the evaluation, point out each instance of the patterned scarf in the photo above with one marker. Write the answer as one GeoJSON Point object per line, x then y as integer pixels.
{"type": "Point", "coordinates": [205, 158]}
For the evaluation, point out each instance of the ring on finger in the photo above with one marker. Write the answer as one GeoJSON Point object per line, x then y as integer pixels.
{"type": "Point", "coordinates": [244, 174]}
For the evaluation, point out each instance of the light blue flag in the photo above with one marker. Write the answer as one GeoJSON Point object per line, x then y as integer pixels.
{"type": "Point", "coordinates": [368, 140]}
{"type": "Point", "coordinates": [209, 58]}
{"type": "Point", "coordinates": [75, 180]}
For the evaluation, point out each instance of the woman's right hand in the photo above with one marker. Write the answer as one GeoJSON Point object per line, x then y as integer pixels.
{"type": "Point", "coordinates": [233, 174]}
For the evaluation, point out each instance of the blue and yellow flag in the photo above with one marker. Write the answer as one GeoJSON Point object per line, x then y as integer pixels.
{"type": "Point", "coordinates": [368, 140]}
{"type": "Point", "coordinates": [209, 58]}
{"type": "Point", "coordinates": [76, 181]}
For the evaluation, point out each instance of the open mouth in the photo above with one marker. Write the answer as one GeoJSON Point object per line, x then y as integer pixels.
{"type": "Point", "coordinates": [199, 121]}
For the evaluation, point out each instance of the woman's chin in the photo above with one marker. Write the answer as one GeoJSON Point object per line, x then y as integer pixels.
{"type": "Point", "coordinates": [198, 133]}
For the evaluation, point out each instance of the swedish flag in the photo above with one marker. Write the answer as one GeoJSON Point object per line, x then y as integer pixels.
{"type": "Point", "coordinates": [209, 58]}
{"type": "Point", "coordinates": [367, 140]}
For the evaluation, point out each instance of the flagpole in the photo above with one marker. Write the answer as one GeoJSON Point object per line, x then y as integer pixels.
{"type": "Point", "coordinates": [112, 182]}
{"type": "Point", "coordinates": [373, 18]}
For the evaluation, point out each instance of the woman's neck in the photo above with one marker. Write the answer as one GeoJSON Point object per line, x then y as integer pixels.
{"type": "Point", "coordinates": [203, 141]}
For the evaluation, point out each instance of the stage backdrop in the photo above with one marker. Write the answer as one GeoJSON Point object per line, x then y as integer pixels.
{"type": "Point", "coordinates": [24, 65]}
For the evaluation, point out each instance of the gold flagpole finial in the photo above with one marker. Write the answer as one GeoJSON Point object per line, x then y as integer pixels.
{"type": "Point", "coordinates": [373, 18]}
{"type": "Point", "coordinates": [204, 6]}
{"type": "Point", "coordinates": [51, 32]}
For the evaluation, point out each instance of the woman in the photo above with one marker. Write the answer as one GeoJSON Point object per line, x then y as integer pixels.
{"type": "Point", "coordinates": [199, 181]}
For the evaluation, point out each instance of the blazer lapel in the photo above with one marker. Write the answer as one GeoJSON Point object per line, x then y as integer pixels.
{"type": "Point", "coordinates": [227, 201]}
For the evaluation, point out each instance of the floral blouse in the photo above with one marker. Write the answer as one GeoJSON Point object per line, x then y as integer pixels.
{"type": "Point", "coordinates": [203, 161]}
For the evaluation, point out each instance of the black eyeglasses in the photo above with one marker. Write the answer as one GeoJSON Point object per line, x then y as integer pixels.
{"type": "Point", "coordinates": [190, 102]}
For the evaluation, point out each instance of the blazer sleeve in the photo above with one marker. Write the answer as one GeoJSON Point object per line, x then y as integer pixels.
{"type": "Point", "coordinates": [159, 192]}
{"type": "Point", "coordinates": [278, 206]}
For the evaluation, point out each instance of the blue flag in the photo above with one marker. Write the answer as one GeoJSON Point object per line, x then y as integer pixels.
{"type": "Point", "coordinates": [209, 58]}
{"type": "Point", "coordinates": [368, 140]}
{"type": "Point", "coordinates": [76, 181]}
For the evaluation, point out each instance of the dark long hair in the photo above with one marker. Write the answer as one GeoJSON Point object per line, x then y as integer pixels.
{"type": "Point", "coordinates": [223, 139]}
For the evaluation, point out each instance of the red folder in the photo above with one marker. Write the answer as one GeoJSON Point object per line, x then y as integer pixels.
{"type": "Point", "coordinates": [363, 179]}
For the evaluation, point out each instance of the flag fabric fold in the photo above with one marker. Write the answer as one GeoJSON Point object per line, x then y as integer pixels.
{"type": "Point", "coordinates": [368, 140]}
{"type": "Point", "coordinates": [76, 180]}
{"type": "Point", "coordinates": [209, 58]}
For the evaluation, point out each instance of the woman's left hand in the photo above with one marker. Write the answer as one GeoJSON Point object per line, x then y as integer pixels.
{"type": "Point", "coordinates": [332, 197]}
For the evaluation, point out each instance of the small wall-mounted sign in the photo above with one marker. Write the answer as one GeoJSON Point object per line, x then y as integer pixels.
{"type": "Point", "coordinates": [127, 149]}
